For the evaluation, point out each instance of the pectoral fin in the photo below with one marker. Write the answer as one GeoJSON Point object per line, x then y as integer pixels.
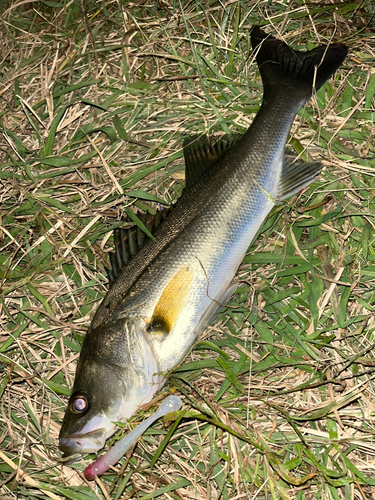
{"type": "Point", "coordinates": [215, 307]}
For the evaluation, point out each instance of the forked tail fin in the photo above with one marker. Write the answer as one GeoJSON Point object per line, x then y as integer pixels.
{"type": "Point", "coordinates": [301, 72]}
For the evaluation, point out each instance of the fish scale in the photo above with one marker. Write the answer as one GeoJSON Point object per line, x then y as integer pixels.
{"type": "Point", "coordinates": [162, 299]}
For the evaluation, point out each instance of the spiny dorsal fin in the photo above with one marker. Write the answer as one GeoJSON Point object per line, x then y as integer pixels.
{"type": "Point", "coordinates": [201, 152]}
{"type": "Point", "coordinates": [129, 241]}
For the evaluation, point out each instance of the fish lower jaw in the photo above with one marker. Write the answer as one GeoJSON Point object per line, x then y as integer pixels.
{"type": "Point", "coordinates": [84, 443]}
{"type": "Point", "coordinates": [90, 438]}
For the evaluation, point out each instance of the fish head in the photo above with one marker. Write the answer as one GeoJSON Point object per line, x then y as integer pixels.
{"type": "Point", "coordinates": [94, 407]}
{"type": "Point", "coordinates": [117, 372]}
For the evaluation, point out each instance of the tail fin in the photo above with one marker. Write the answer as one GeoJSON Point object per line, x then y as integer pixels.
{"type": "Point", "coordinates": [301, 72]}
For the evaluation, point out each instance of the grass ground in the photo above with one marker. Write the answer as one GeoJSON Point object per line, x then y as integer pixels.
{"type": "Point", "coordinates": [94, 99]}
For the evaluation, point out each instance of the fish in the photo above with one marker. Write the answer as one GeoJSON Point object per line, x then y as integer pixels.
{"type": "Point", "coordinates": [164, 291]}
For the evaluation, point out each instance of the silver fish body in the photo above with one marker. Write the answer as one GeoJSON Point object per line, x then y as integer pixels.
{"type": "Point", "coordinates": [164, 298]}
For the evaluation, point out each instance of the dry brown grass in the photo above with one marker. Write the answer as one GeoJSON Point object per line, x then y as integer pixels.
{"type": "Point", "coordinates": [94, 98]}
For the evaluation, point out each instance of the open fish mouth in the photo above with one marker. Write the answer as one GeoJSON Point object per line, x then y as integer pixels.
{"type": "Point", "coordinates": [83, 443]}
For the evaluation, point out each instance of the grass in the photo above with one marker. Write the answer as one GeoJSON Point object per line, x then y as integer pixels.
{"type": "Point", "coordinates": [279, 394]}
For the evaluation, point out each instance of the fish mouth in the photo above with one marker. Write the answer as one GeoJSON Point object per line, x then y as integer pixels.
{"type": "Point", "coordinates": [83, 443]}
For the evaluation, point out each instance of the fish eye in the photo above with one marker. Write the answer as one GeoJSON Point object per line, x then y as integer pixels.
{"type": "Point", "coordinates": [78, 403]}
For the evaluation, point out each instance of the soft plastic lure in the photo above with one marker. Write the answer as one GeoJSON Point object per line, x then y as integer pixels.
{"type": "Point", "coordinates": [103, 463]}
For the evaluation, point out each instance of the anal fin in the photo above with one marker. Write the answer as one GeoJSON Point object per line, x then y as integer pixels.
{"type": "Point", "coordinates": [296, 174]}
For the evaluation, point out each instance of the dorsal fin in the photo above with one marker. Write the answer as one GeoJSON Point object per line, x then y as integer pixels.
{"type": "Point", "coordinates": [201, 152]}
{"type": "Point", "coordinates": [129, 241]}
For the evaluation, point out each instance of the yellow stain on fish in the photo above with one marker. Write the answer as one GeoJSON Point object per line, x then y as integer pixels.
{"type": "Point", "coordinates": [171, 302]}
